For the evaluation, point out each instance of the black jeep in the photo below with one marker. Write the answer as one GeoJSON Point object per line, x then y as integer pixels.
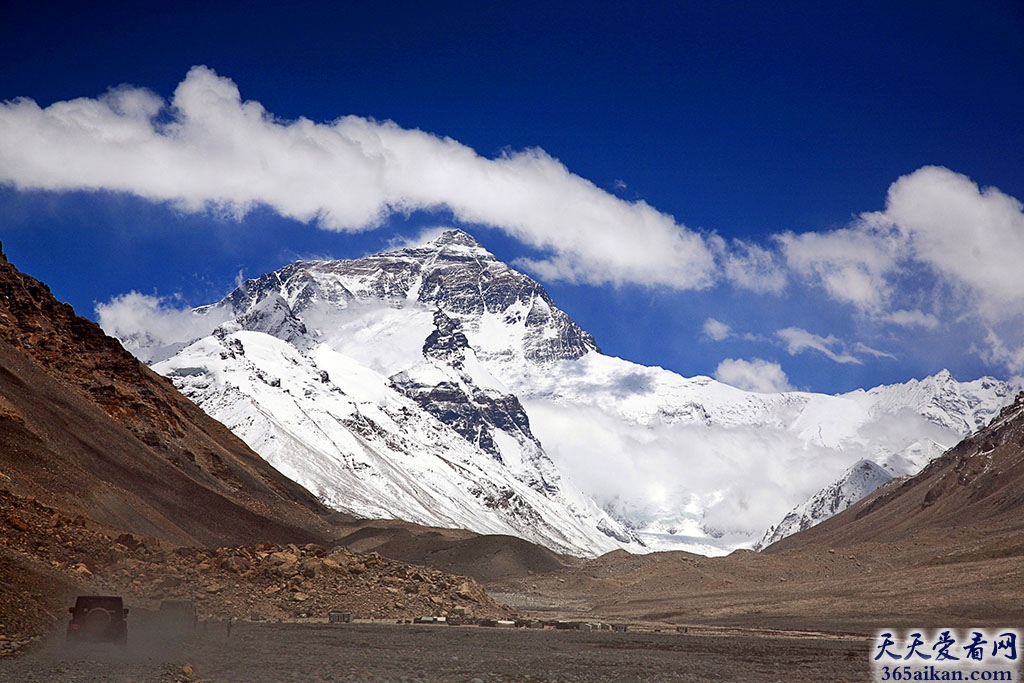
{"type": "Point", "coordinates": [98, 619]}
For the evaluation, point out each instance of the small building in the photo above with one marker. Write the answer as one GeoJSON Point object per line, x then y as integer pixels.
{"type": "Point", "coordinates": [430, 620]}
{"type": "Point", "coordinates": [337, 617]}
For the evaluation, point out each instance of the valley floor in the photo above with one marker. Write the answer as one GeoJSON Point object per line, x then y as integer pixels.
{"type": "Point", "coordinates": [272, 653]}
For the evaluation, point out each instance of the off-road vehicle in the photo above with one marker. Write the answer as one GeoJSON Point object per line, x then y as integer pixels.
{"type": "Point", "coordinates": [98, 619]}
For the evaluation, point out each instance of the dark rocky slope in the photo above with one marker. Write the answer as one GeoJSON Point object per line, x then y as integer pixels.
{"type": "Point", "coordinates": [87, 427]}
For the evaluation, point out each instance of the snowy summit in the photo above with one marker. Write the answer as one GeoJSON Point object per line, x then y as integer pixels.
{"type": "Point", "coordinates": [438, 385]}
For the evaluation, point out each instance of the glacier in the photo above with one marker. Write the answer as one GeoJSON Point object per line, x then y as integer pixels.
{"type": "Point", "coordinates": [438, 385]}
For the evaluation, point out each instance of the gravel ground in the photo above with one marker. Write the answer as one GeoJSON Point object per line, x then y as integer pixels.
{"type": "Point", "coordinates": [277, 653]}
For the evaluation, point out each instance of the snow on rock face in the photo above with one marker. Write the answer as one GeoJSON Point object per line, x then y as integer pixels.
{"type": "Point", "coordinates": [376, 458]}
{"type": "Point", "coordinates": [858, 481]}
{"type": "Point", "coordinates": [492, 419]}
{"type": "Point", "coordinates": [939, 405]}
{"type": "Point", "coordinates": [437, 384]}
{"type": "Point", "coordinates": [964, 407]}
{"type": "Point", "coordinates": [349, 377]}
{"type": "Point", "coordinates": [690, 460]}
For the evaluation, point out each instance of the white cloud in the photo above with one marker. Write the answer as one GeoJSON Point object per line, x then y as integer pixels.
{"type": "Point", "coordinates": [969, 241]}
{"type": "Point", "coordinates": [218, 152]}
{"type": "Point", "coordinates": [996, 351]}
{"type": "Point", "coordinates": [972, 237]}
{"type": "Point", "coordinates": [851, 264]}
{"type": "Point", "coordinates": [798, 340]}
{"type": "Point", "coordinates": [424, 236]}
{"type": "Point", "coordinates": [753, 375]}
{"type": "Point", "coordinates": [749, 266]}
{"type": "Point", "coordinates": [734, 479]}
{"type": "Point", "coordinates": [863, 348]}
{"type": "Point", "coordinates": [913, 318]}
{"type": "Point", "coordinates": [943, 252]}
{"type": "Point", "coordinates": [149, 325]}
{"type": "Point", "coordinates": [716, 330]}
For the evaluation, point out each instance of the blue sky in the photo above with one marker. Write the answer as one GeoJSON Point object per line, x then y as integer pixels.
{"type": "Point", "coordinates": [806, 195]}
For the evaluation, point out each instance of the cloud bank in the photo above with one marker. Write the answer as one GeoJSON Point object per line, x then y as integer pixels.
{"type": "Point", "coordinates": [208, 149]}
{"type": "Point", "coordinates": [153, 328]}
{"type": "Point", "coordinates": [937, 221]}
{"type": "Point", "coordinates": [943, 251]}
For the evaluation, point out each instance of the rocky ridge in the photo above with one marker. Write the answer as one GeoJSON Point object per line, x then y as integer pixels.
{"type": "Point", "coordinates": [973, 492]}
{"type": "Point", "coordinates": [959, 407]}
{"type": "Point", "coordinates": [82, 419]}
{"type": "Point", "coordinates": [111, 481]}
{"type": "Point", "coordinates": [943, 549]}
{"type": "Point", "coordinates": [477, 414]}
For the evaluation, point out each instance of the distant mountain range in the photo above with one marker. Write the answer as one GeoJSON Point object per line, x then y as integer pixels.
{"type": "Point", "coordinates": [963, 507]}
{"type": "Point", "coordinates": [438, 385]}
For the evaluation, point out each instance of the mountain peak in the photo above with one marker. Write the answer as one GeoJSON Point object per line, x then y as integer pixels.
{"type": "Point", "coordinates": [455, 237]}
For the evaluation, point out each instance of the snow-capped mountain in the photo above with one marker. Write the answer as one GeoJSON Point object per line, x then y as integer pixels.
{"type": "Point", "coordinates": [858, 481]}
{"type": "Point", "coordinates": [414, 425]}
{"type": "Point", "coordinates": [437, 384]}
{"type": "Point", "coordinates": [960, 407]}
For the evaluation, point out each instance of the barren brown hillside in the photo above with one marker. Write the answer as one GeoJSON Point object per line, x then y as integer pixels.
{"type": "Point", "coordinates": [966, 504]}
{"type": "Point", "coordinates": [86, 425]}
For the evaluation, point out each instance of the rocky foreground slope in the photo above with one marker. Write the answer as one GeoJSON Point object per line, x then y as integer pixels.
{"type": "Point", "coordinates": [966, 504]}
{"type": "Point", "coordinates": [81, 510]}
{"type": "Point", "coordinates": [87, 428]}
{"type": "Point", "coordinates": [260, 582]}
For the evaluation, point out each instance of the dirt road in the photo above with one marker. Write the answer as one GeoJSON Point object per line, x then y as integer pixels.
{"type": "Point", "coordinates": [274, 653]}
